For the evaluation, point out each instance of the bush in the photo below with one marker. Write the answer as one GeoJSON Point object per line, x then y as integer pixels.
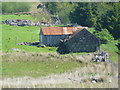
{"type": "Point", "coordinates": [104, 36]}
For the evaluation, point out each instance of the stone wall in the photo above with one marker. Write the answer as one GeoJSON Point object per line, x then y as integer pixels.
{"type": "Point", "coordinates": [21, 22]}
{"type": "Point", "coordinates": [83, 41]}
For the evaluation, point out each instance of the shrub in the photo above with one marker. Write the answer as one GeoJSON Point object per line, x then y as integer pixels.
{"type": "Point", "coordinates": [104, 36]}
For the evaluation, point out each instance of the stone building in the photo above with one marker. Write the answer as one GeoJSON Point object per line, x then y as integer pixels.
{"type": "Point", "coordinates": [80, 41]}
{"type": "Point", "coordinates": [51, 36]}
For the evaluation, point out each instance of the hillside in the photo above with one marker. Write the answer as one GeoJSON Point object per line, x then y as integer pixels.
{"type": "Point", "coordinates": [12, 36]}
{"type": "Point", "coordinates": [36, 66]}
{"type": "Point", "coordinates": [40, 63]}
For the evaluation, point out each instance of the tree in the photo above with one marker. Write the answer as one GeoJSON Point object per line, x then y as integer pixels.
{"type": "Point", "coordinates": [109, 20]}
{"type": "Point", "coordinates": [62, 9]}
{"type": "Point", "coordinates": [83, 15]}
{"type": "Point", "coordinates": [104, 36]}
{"type": "Point", "coordinates": [51, 7]}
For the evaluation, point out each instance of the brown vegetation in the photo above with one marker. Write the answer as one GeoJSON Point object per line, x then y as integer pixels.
{"type": "Point", "coordinates": [81, 77]}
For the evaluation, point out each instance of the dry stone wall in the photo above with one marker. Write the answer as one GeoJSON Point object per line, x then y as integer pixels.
{"type": "Point", "coordinates": [21, 22]}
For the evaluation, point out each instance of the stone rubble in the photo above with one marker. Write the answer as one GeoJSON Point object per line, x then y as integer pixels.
{"type": "Point", "coordinates": [21, 22]}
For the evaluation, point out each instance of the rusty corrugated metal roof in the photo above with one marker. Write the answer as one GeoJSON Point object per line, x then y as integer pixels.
{"type": "Point", "coordinates": [60, 30]}
{"type": "Point", "coordinates": [72, 35]}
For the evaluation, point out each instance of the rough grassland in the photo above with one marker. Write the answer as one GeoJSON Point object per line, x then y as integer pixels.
{"type": "Point", "coordinates": [33, 65]}
{"type": "Point", "coordinates": [36, 64]}
{"type": "Point", "coordinates": [40, 70]}
{"type": "Point", "coordinates": [11, 35]}
{"type": "Point", "coordinates": [110, 47]}
{"type": "Point", "coordinates": [112, 50]}
{"type": "Point", "coordinates": [27, 17]}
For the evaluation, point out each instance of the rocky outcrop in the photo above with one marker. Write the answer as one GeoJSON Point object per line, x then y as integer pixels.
{"type": "Point", "coordinates": [21, 22]}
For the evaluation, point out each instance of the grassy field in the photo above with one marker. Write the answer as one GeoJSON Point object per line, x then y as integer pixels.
{"type": "Point", "coordinates": [40, 70]}
{"type": "Point", "coordinates": [36, 64]}
{"type": "Point", "coordinates": [27, 17]}
{"type": "Point", "coordinates": [11, 35]}
{"type": "Point", "coordinates": [112, 50]}
{"type": "Point", "coordinates": [110, 47]}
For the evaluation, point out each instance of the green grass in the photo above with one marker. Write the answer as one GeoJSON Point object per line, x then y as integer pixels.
{"type": "Point", "coordinates": [112, 50]}
{"type": "Point", "coordinates": [109, 47]}
{"type": "Point", "coordinates": [0, 51]}
{"type": "Point", "coordinates": [35, 69]}
{"type": "Point", "coordinates": [60, 26]}
{"type": "Point", "coordinates": [35, 66]}
{"type": "Point", "coordinates": [27, 17]}
{"type": "Point", "coordinates": [82, 53]}
{"type": "Point", "coordinates": [11, 35]}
